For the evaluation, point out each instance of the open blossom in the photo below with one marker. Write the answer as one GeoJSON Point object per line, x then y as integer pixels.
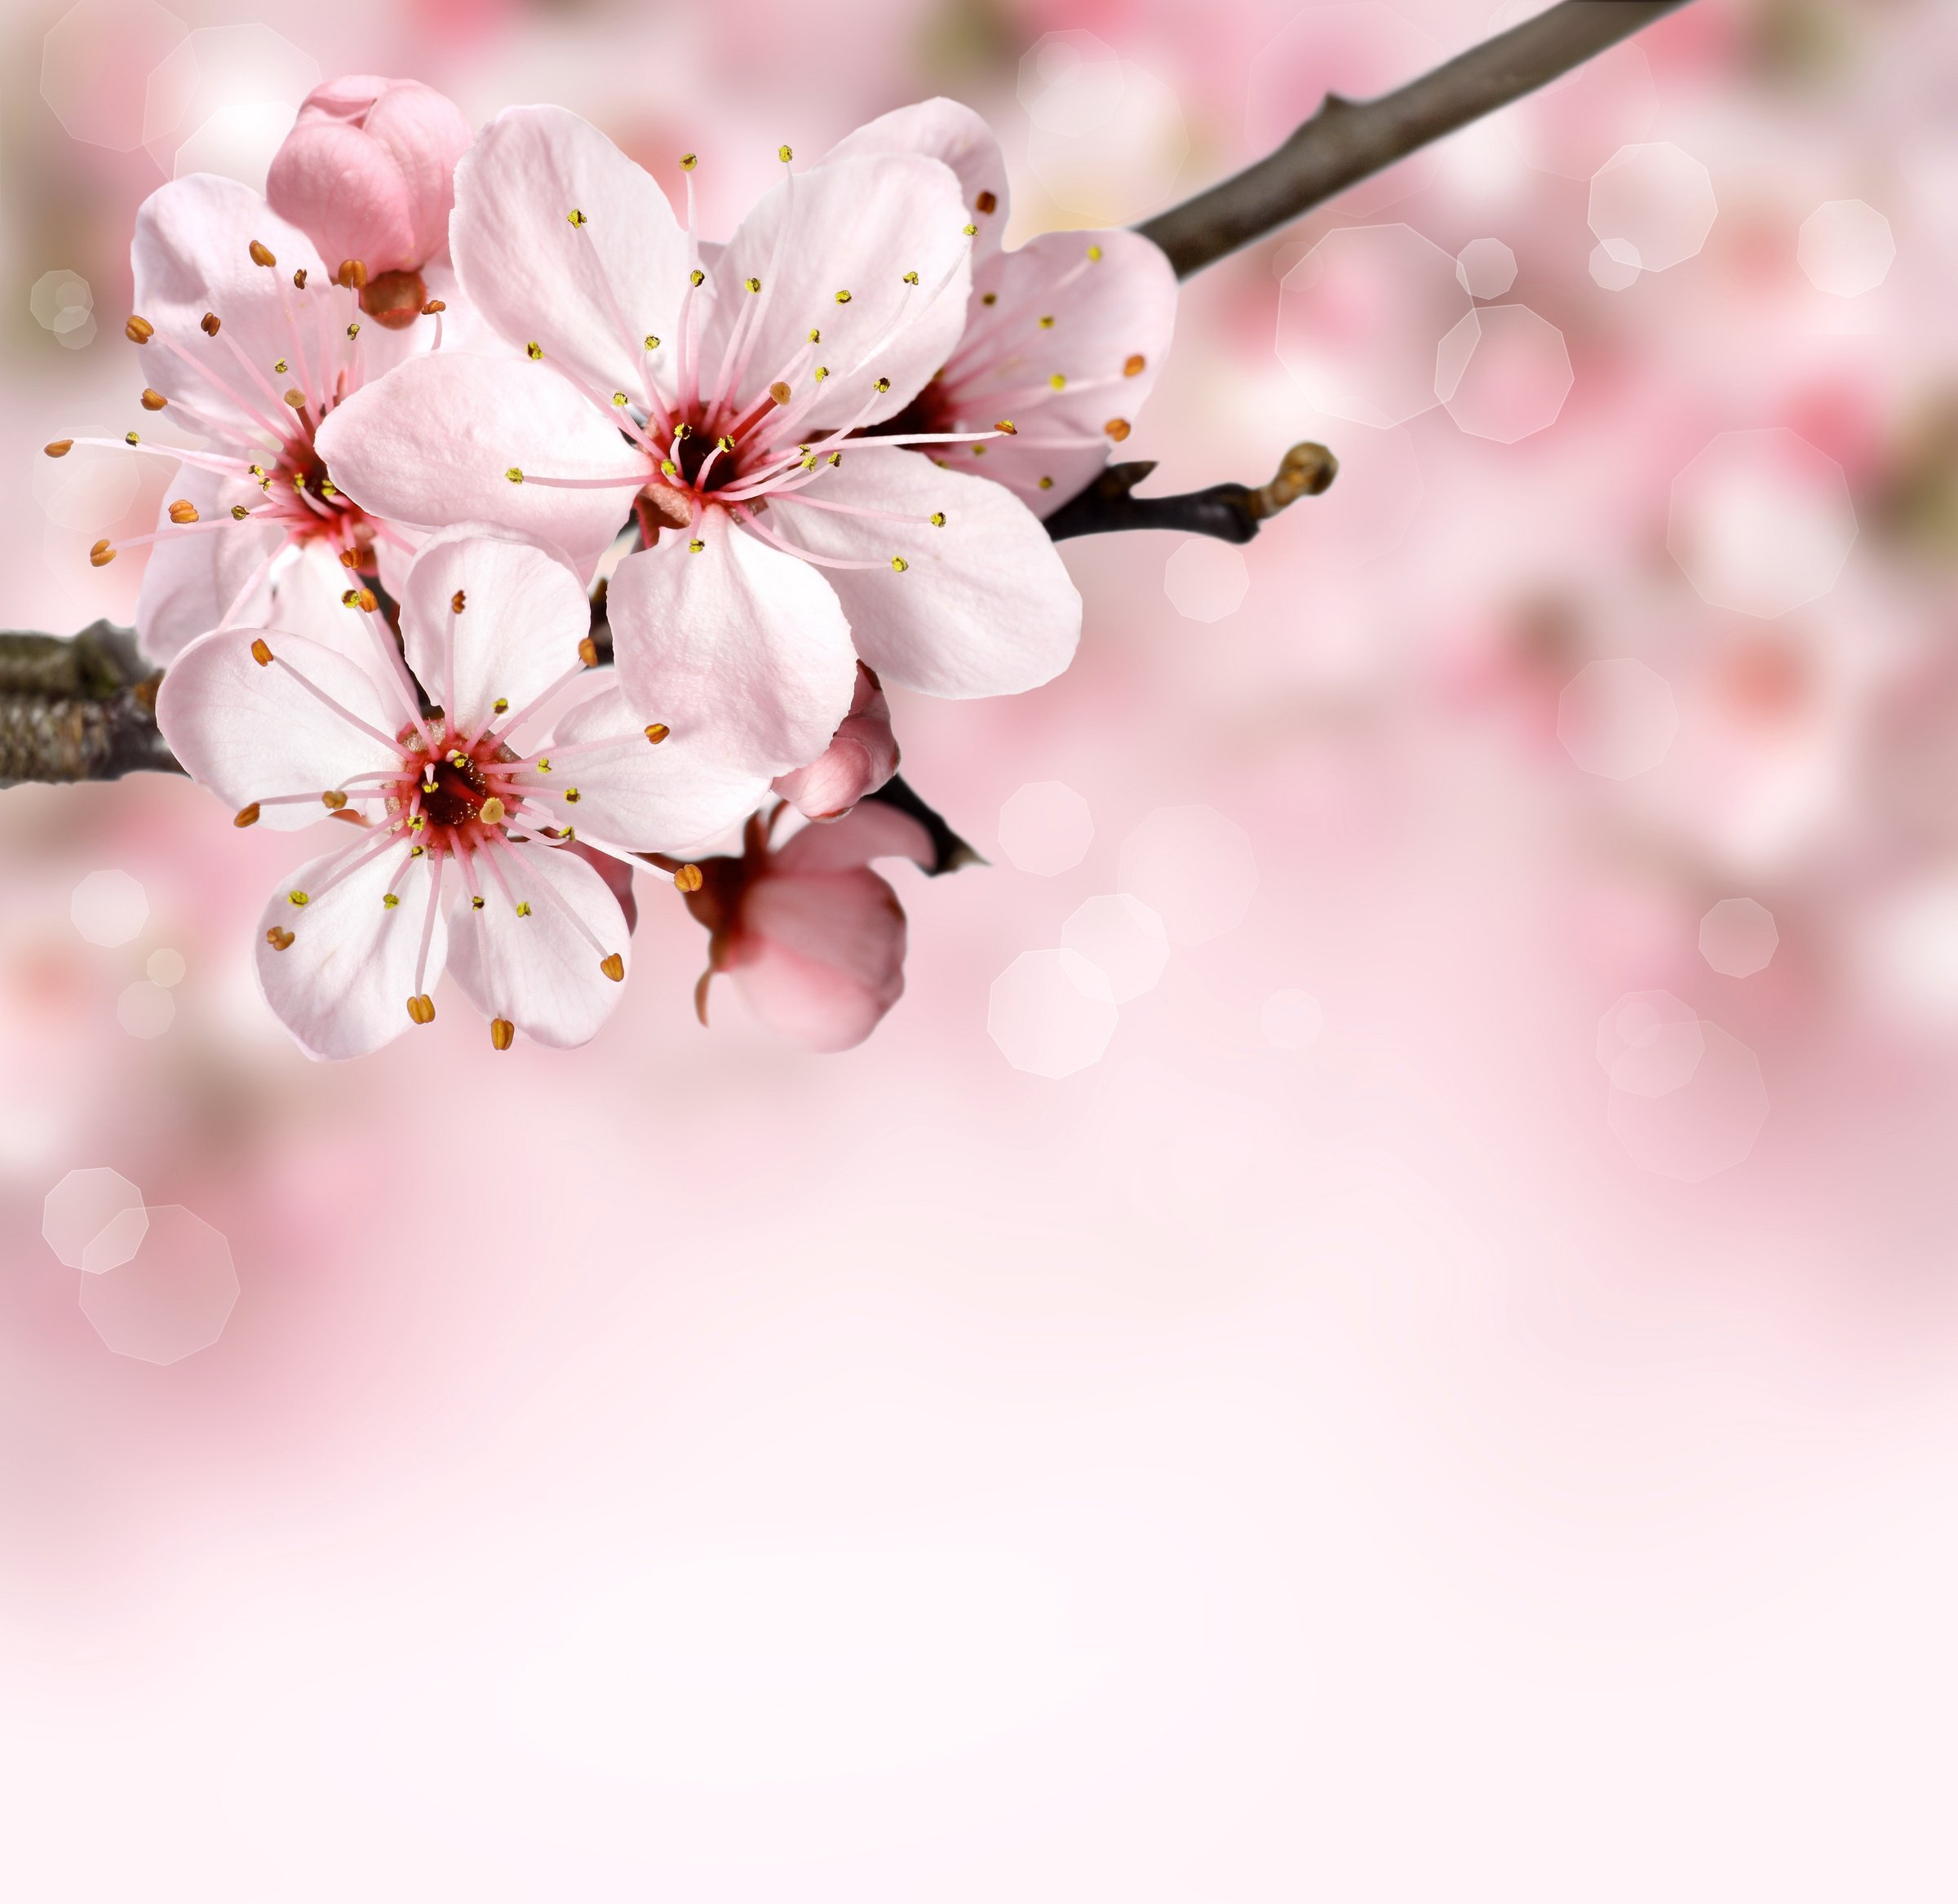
{"type": "Point", "coordinates": [368, 172]}
{"type": "Point", "coordinates": [472, 793]}
{"type": "Point", "coordinates": [1064, 335]}
{"type": "Point", "coordinates": [248, 341]}
{"type": "Point", "coordinates": [813, 939]}
{"type": "Point", "coordinates": [859, 759]}
{"type": "Point", "coordinates": [732, 396]}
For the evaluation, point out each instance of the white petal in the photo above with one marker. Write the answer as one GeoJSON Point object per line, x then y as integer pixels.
{"type": "Point", "coordinates": [432, 442]}
{"type": "Point", "coordinates": [956, 136]}
{"type": "Point", "coordinates": [590, 293]}
{"type": "Point", "coordinates": [192, 579]}
{"type": "Point", "coordinates": [740, 649]}
{"type": "Point", "coordinates": [677, 797]}
{"type": "Point", "coordinates": [984, 606]}
{"type": "Point", "coordinates": [523, 615]}
{"type": "Point", "coordinates": [252, 733]}
{"type": "Point", "coordinates": [539, 972]}
{"type": "Point", "coordinates": [341, 986]}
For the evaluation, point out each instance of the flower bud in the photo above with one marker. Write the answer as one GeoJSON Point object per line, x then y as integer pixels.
{"type": "Point", "coordinates": [860, 758]}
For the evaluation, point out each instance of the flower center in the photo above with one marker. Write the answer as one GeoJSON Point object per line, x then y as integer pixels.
{"type": "Point", "coordinates": [458, 793]}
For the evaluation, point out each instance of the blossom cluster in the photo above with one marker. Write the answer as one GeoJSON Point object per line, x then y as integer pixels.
{"type": "Point", "coordinates": [535, 537]}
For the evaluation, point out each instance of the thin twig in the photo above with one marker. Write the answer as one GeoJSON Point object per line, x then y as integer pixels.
{"type": "Point", "coordinates": [1346, 141]}
{"type": "Point", "coordinates": [1230, 512]}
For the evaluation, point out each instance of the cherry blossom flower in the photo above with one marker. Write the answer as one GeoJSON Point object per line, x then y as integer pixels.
{"type": "Point", "coordinates": [1064, 335]}
{"type": "Point", "coordinates": [368, 172]}
{"type": "Point", "coordinates": [813, 938]}
{"type": "Point", "coordinates": [859, 759]}
{"type": "Point", "coordinates": [728, 394]}
{"type": "Point", "coordinates": [470, 813]}
{"type": "Point", "coordinates": [250, 342]}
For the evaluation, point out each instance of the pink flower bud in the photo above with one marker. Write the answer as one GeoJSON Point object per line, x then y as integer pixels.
{"type": "Point", "coordinates": [813, 939]}
{"type": "Point", "coordinates": [862, 756]}
{"type": "Point", "coordinates": [369, 172]}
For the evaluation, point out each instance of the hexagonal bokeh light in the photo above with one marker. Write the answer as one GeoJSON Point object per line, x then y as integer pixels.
{"type": "Point", "coordinates": [1846, 247]}
{"type": "Point", "coordinates": [1206, 580]}
{"type": "Point", "coordinates": [1052, 1013]}
{"type": "Point", "coordinates": [1367, 513]}
{"type": "Point", "coordinates": [1617, 718]}
{"type": "Point", "coordinates": [1655, 203]}
{"type": "Point", "coordinates": [1737, 937]}
{"type": "Point", "coordinates": [64, 302]}
{"type": "Point", "coordinates": [1124, 939]}
{"type": "Point", "coordinates": [1487, 268]}
{"type": "Point", "coordinates": [95, 64]}
{"type": "Point", "coordinates": [1503, 372]}
{"type": "Point", "coordinates": [223, 100]}
{"type": "Point", "coordinates": [1761, 522]}
{"type": "Point", "coordinates": [1574, 124]}
{"type": "Point", "coordinates": [93, 1220]}
{"type": "Point", "coordinates": [1194, 868]}
{"type": "Point", "coordinates": [1358, 50]}
{"type": "Point", "coordinates": [108, 908]}
{"type": "Point", "coordinates": [172, 1297]}
{"type": "Point", "coordinates": [1361, 316]}
{"type": "Point", "coordinates": [1045, 828]}
{"type": "Point", "coordinates": [1650, 1043]}
{"type": "Point", "coordinates": [145, 1009]}
{"type": "Point", "coordinates": [1706, 1125]}
{"type": "Point", "coordinates": [1108, 140]}
{"type": "Point", "coordinates": [1613, 265]}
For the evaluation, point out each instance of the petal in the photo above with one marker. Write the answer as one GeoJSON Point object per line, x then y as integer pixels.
{"type": "Point", "coordinates": [984, 607]}
{"type": "Point", "coordinates": [591, 293]}
{"type": "Point", "coordinates": [308, 590]}
{"type": "Point", "coordinates": [192, 580]}
{"type": "Point", "coordinates": [955, 136]}
{"type": "Point", "coordinates": [739, 647]}
{"type": "Point", "coordinates": [1105, 314]}
{"type": "Point", "coordinates": [432, 442]}
{"type": "Point", "coordinates": [523, 615]}
{"type": "Point", "coordinates": [821, 959]}
{"type": "Point", "coordinates": [676, 797]}
{"type": "Point", "coordinates": [427, 135]}
{"type": "Point", "coordinates": [873, 830]}
{"type": "Point", "coordinates": [251, 733]}
{"type": "Point", "coordinates": [860, 758]}
{"type": "Point", "coordinates": [859, 226]}
{"type": "Point", "coordinates": [345, 190]}
{"type": "Point", "coordinates": [342, 984]}
{"type": "Point", "coordinates": [191, 255]}
{"type": "Point", "coordinates": [539, 972]}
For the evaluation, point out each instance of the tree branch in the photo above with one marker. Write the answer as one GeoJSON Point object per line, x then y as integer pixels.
{"type": "Point", "coordinates": [79, 709]}
{"type": "Point", "coordinates": [1230, 512]}
{"type": "Point", "coordinates": [1346, 141]}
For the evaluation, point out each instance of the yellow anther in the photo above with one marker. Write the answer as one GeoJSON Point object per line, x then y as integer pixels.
{"type": "Point", "coordinates": [657, 732]}
{"type": "Point", "coordinates": [986, 202]}
{"type": "Point", "coordinates": [780, 392]}
{"type": "Point", "coordinates": [457, 602]}
{"type": "Point", "coordinates": [209, 324]}
{"type": "Point", "coordinates": [298, 897]}
{"type": "Point", "coordinates": [587, 651]}
{"type": "Point", "coordinates": [823, 370]}
{"type": "Point", "coordinates": [689, 878]}
{"type": "Point", "coordinates": [260, 653]}
{"type": "Point", "coordinates": [695, 546]}
{"type": "Point", "coordinates": [1135, 366]}
{"type": "Point", "coordinates": [60, 448]}
{"type": "Point", "coordinates": [652, 342]}
{"type": "Point", "coordinates": [353, 330]}
{"type": "Point", "coordinates": [937, 519]}
{"type": "Point", "coordinates": [724, 444]}
{"type": "Point", "coordinates": [970, 231]}
{"type": "Point", "coordinates": [183, 512]}
{"type": "Point", "coordinates": [1057, 382]}
{"type": "Point", "coordinates": [246, 816]}
{"type": "Point", "coordinates": [299, 279]}
{"type": "Point", "coordinates": [1094, 253]}
{"type": "Point", "coordinates": [132, 438]}
{"type": "Point", "coordinates": [899, 563]}
{"type": "Point", "coordinates": [139, 330]}
{"type": "Point", "coordinates": [278, 938]}
{"type": "Point", "coordinates": [689, 161]}
{"type": "Point", "coordinates": [544, 764]}
{"type": "Point", "coordinates": [696, 278]}
{"type": "Point", "coordinates": [754, 284]}
{"type": "Point", "coordinates": [390, 901]}
{"type": "Point", "coordinates": [513, 474]}
{"type": "Point", "coordinates": [419, 822]}
{"type": "Point", "coordinates": [333, 799]}
{"type": "Point", "coordinates": [492, 813]}
{"type": "Point", "coordinates": [575, 217]}
{"type": "Point", "coordinates": [1117, 428]}
{"type": "Point", "coordinates": [835, 459]}
{"type": "Point", "coordinates": [1047, 482]}
{"type": "Point", "coordinates": [352, 274]}
{"type": "Point", "coordinates": [571, 796]}
{"type": "Point", "coordinates": [280, 368]}
{"type": "Point", "coordinates": [502, 1033]}
{"type": "Point", "coordinates": [614, 967]}
{"type": "Point", "coordinates": [420, 1008]}
{"type": "Point", "coordinates": [815, 337]}
{"type": "Point", "coordinates": [620, 398]}
{"type": "Point", "coordinates": [910, 277]}
{"type": "Point", "coordinates": [533, 350]}
{"type": "Point", "coordinates": [881, 385]}
{"type": "Point", "coordinates": [1006, 428]}
{"type": "Point", "coordinates": [154, 400]}
{"type": "Point", "coordinates": [843, 297]}
{"type": "Point", "coordinates": [988, 298]}
{"type": "Point", "coordinates": [1047, 323]}
{"type": "Point", "coordinates": [783, 153]}
{"type": "Point", "coordinates": [363, 599]}
{"type": "Point", "coordinates": [668, 467]}
{"type": "Point", "coordinates": [499, 705]}
{"type": "Point", "coordinates": [523, 909]}
{"type": "Point", "coordinates": [239, 512]}
{"type": "Point", "coordinates": [260, 255]}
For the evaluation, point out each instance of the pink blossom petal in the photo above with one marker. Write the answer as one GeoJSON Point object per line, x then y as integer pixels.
{"type": "Point", "coordinates": [589, 295]}
{"type": "Point", "coordinates": [871, 831]}
{"type": "Point", "coordinates": [251, 732]}
{"type": "Point", "coordinates": [860, 758]}
{"type": "Point", "coordinates": [862, 226]}
{"type": "Point", "coordinates": [342, 984]}
{"type": "Point", "coordinates": [676, 797]}
{"type": "Point", "coordinates": [740, 648]}
{"type": "Point", "coordinates": [523, 617]}
{"type": "Point", "coordinates": [346, 191]}
{"type": "Point", "coordinates": [955, 136]}
{"type": "Point", "coordinates": [432, 443]}
{"type": "Point", "coordinates": [539, 971]}
{"type": "Point", "coordinates": [426, 136]}
{"type": "Point", "coordinates": [821, 958]}
{"type": "Point", "coordinates": [190, 580]}
{"type": "Point", "coordinates": [984, 606]}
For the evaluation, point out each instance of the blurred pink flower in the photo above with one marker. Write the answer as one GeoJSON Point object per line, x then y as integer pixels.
{"type": "Point", "coordinates": [860, 758]}
{"type": "Point", "coordinates": [282, 726]}
{"type": "Point", "coordinates": [250, 342]}
{"type": "Point", "coordinates": [1064, 336]}
{"type": "Point", "coordinates": [814, 940]}
{"type": "Point", "coordinates": [723, 389]}
{"type": "Point", "coordinates": [368, 172]}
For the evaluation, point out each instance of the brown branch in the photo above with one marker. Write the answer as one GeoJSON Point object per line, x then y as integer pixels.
{"type": "Point", "coordinates": [83, 708]}
{"type": "Point", "coordinates": [1230, 512]}
{"type": "Point", "coordinates": [1346, 141]}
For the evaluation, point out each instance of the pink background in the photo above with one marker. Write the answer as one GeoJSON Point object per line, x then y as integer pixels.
{"type": "Point", "coordinates": [1432, 1461]}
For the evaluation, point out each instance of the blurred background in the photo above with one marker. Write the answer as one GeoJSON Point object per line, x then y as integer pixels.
{"type": "Point", "coordinates": [1380, 1322]}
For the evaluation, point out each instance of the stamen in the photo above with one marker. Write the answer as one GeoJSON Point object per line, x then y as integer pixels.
{"type": "Point", "coordinates": [502, 1033]}
{"type": "Point", "coordinates": [154, 400]}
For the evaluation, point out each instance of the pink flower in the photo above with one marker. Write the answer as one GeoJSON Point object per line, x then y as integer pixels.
{"type": "Point", "coordinates": [725, 392]}
{"type": "Point", "coordinates": [860, 758]}
{"type": "Point", "coordinates": [248, 342]}
{"type": "Point", "coordinates": [1064, 335]}
{"type": "Point", "coordinates": [813, 939]}
{"type": "Point", "coordinates": [451, 803]}
{"type": "Point", "coordinates": [369, 173]}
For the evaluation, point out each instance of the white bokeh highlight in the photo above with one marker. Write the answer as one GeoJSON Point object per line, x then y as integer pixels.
{"type": "Point", "coordinates": [1617, 717]}
{"type": "Point", "coordinates": [145, 1009]}
{"type": "Point", "coordinates": [165, 966]}
{"type": "Point", "coordinates": [1503, 372]}
{"type": "Point", "coordinates": [95, 64]}
{"type": "Point", "coordinates": [64, 304]}
{"type": "Point", "coordinates": [1124, 939]}
{"type": "Point", "coordinates": [1046, 828]}
{"type": "Point", "coordinates": [1650, 1043]}
{"type": "Point", "coordinates": [1194, 868]}
{"type": "Point", "coordinates": [1487, 268]}
{"type": "Point", "coordinates": [1108, 140]}
{"type": "Point", "coordinates": [1846, 247]}
{"type": "Point", "coordinates": [93, 1220]}
{"type": "Point", "coordinates": [1705, 1126]}
{"type": "Point", "coordinates": [1761, 522]}
{"type": "Point", "coordinates": [1737, 937]}
{"type": "Point", "coordinates": [172, 1297]}
{"type": "Point", "coordinates": [1613, 265]}
{"type": "Point", "coordinates": [1206, 580]}
{"type": "Point", "coordinates": [1654, 204]}
{"type": "Point", "coordinates": [1052, 1013]}
{"type": "Point", "coordinates": [109, 908]}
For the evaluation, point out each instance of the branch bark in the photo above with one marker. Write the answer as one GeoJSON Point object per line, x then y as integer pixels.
{"type": "Point", "coordinates": [1347, 140]}
{"type": "Point", "coordinates": [1232, 512]}
{"type": "Point", "coordinates": [79, 708]}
